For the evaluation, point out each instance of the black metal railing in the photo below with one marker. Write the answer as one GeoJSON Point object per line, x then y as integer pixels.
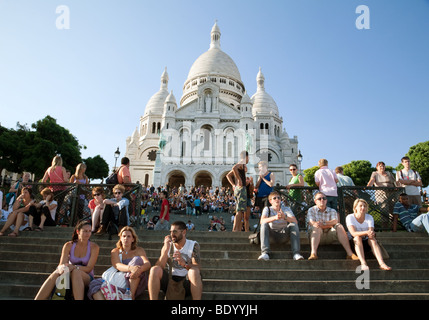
{"type": "Point", "coordinates": [73, 200]}
{"type": "Point", "coordinates": [380, 203]}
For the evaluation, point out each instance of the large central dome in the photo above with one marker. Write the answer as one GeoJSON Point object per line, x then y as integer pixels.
{"type": "Point", "coordinates": [214, 65]}
{"type": "Point", "coordinates": [214, 62]}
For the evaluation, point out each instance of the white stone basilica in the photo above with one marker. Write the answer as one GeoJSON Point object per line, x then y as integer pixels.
{"type": "Point", "coordinates": [197, 141]}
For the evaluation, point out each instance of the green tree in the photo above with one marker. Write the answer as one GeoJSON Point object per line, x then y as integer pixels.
{"type": "Point", "coordinates": [96, 168]}
{"type": "Point", "coordinates": [12, 148]}
{"type": "Point", "coordinates": [24, 149]}
{"type": "Point", "coordinates": [309, 176]}
{"type": "Point", "coordinates": [419, 156]}
{"type": "Point", "coordinates": [359, 170]}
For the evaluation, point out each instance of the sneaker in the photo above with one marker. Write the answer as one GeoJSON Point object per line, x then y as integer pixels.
{"type": "Point", "coordinates": [297, 256]}
{"type": "Point", "coordinates": [264, 257]}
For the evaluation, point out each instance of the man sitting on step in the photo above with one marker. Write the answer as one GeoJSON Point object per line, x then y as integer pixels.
{"type": "Point", "coordinates": [278, 225]}
{"type": "Point", "coordinates": [409, 215]}
{"type": "Point", "coordinates": [183, 277]}
{"type": "Point", "coordinates": [324, 227]}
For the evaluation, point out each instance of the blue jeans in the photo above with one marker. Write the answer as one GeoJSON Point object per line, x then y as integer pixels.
{"type": "Point", "coordinates": [420, 223]}
{"type": "Point", "coordinates": [332, 202]}
{"type": "Point", "coordinates": [291, 232]}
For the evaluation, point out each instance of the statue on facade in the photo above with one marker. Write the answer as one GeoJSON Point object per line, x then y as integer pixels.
{"type": "Point", "coordinates": [208, 103]}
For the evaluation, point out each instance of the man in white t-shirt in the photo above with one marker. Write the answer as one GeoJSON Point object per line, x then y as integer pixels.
{"type": "Point", "coordinates": [279, 225]}
{"type": "Point", "coordinates": [186, 264]}
{"type": "Point", "coordinates": [411, 180]}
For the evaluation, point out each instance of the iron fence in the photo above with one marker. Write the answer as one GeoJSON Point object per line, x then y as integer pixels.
{"type": "Point", "coordinates": [380, 203]}
{"type": "Point", "coordinates": [73, 200]}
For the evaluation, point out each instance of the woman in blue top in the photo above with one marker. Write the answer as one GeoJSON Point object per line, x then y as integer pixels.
{"type": "Point", "coordinates": [264, 185]}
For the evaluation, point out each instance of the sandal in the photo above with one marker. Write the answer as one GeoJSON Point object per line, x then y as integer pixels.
{"type": "Point", "coordinates": [13, 234]}
{"type": "Point", "coordinates": [28, 229]}
{"type": "Point", "coordinates": [38, 229]}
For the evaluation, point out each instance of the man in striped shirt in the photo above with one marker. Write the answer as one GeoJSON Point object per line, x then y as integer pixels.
{"type": "Point", "coordinates": [409, 215]}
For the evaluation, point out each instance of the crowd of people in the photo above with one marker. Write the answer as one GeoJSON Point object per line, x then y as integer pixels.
{"type": "Point", "coordinates": [278, 224]}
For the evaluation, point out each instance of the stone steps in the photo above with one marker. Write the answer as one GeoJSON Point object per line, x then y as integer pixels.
{"type": "Point", "coordinates": [231, 270]}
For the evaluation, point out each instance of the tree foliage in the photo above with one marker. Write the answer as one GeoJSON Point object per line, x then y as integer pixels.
{"type": "Point", "coordinates": [309, 176]}
{"type": "Point", "coordinates": [360, 171]}
{"type": "Point", "coordinates": [23, 149]}
{"type": "Point", "coordinates": [96, 168]}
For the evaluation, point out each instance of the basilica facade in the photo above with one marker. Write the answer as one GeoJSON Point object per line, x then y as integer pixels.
{"type": "Point", "coordinates": [196, 140]}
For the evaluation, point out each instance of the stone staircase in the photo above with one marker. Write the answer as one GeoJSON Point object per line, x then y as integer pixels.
{"type": "Point", "coordinates": [230, 267]}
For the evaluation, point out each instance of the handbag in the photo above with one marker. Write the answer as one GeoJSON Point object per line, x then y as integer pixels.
{"type": "Point", "coordinates": [111, 292]}
{"type": "Point", "coordinates": [115, 277]}
{"type": "Point", "coordinates": [175, 289]}
{"type": "Point", "coordinates": [255, 237]}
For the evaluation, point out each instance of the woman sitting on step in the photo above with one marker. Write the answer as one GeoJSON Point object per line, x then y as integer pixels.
{"type": "Point", "coordinates": [130, 264]}
{"type": "Point", "coordinates": [361, 229]}
{"type": "Point", "coordinates": [76, 265]}
{"type": "Point", "coordinates": [24, 205]}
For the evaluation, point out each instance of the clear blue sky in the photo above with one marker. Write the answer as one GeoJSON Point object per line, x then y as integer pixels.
{"type": "Point", "coordinates": [348, 94]}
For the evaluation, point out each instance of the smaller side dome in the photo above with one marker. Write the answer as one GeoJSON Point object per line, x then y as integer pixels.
{"type": "Point", "coordinates": [263, 103]}
{"type": "Point", "coordinates": [155, 104]}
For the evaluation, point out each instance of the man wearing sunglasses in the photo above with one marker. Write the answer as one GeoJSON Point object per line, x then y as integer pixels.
{"type": "Point", "coordinates": [324, 228]}
{"type": "Point", "coordinates": [186, 263]}
{"type": "Point", "coordinates": [278, 225]}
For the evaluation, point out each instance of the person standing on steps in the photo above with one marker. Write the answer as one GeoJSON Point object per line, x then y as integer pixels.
{"type": "Point", "coordinates": [237, 178]}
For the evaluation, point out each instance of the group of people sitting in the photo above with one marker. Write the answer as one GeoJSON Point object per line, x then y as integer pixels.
{"type": "Point", "coordinates": [29, 215]}
{"type": "Point", "coordinates": [278, 224]}
{"type": "Point", "coordinates": [131, 269]}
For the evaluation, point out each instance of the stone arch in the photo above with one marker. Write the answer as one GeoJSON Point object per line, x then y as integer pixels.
{"type": "Point", "coordinates": [204, 178]}
{"type": "Point", "coordinates": [175, 178]}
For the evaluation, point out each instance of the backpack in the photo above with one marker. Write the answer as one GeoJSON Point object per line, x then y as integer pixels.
{"type": "Point", "coordinates": [113, 178]}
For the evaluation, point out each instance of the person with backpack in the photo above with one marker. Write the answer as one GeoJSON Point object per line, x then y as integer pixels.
{"type": "Point", "coordinates": [124, 175]}
{"type": "Point", "coordinates": [411, 181]}
{"type": "Point", "coordinates": [279, 225]}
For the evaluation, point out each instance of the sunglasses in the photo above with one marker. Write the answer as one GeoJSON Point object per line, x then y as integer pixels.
{"type": "Point", "coordinates": [118, 192]}
{"type": "Point", "coordinates": [95, 194]}
{"type": "Point", "coordinates": [275, 198]}
{"type": "Point", "coordinates": [292, 169]}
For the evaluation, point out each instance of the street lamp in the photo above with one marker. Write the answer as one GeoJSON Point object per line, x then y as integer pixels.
{"type": "Point", "coordinates": [117, 154]}
{"type": "Point", "coordinates": [299, 157]}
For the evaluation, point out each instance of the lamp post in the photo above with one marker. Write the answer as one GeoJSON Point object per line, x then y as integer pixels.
{"type": "Point", "coordinates": [117, 154]}
{"type": "Point", "coordinates": [299, 157]}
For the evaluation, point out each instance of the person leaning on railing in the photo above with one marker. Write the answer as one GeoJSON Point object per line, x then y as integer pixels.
{"type": "Point", "coordinates": [385, 179]}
